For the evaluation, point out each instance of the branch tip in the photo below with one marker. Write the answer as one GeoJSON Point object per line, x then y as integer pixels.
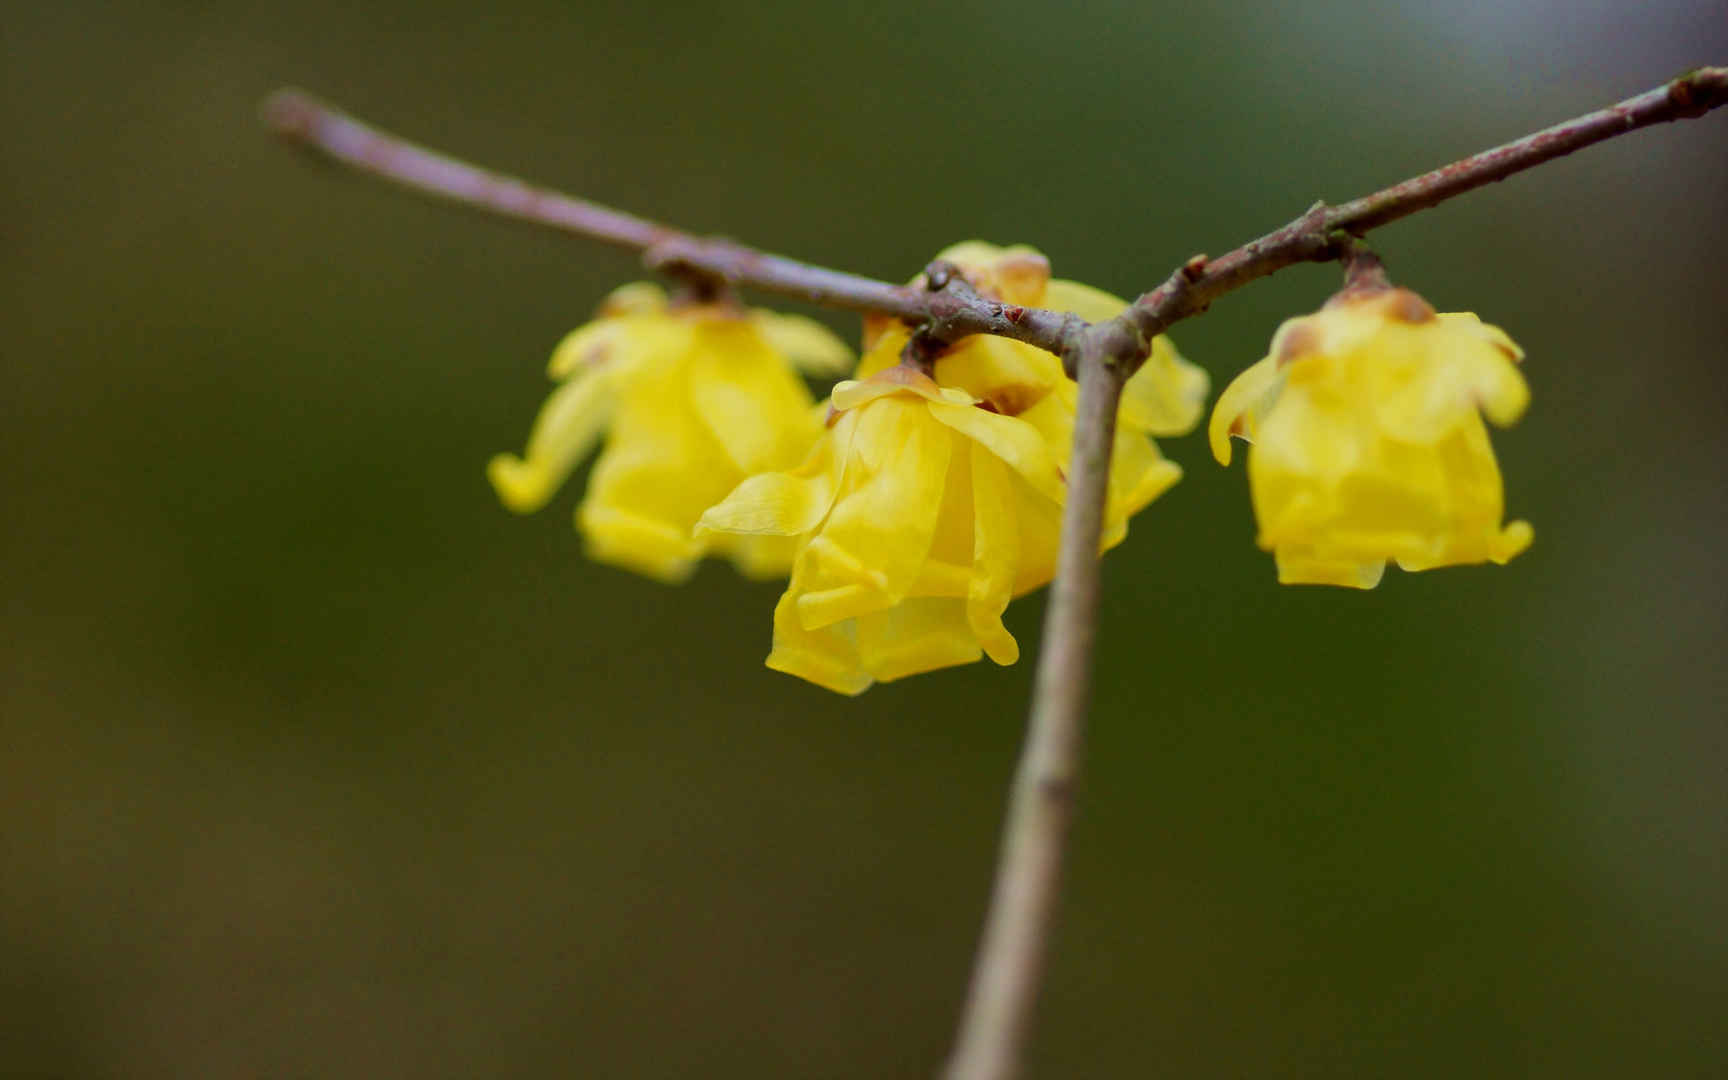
{"type": "Point", "coordinates": [291, 113]}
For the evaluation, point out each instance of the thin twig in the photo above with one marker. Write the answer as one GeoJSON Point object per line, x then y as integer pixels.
{"type": "Point", "coordinates": [1312, 237]}
{"type": "Point", "coordinates": [955, 312]}
{"type": "Point", "coordinates": [303, 119]}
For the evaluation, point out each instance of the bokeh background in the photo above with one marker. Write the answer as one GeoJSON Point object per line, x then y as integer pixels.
{"type": "Point", "coordinates": [315, 762]}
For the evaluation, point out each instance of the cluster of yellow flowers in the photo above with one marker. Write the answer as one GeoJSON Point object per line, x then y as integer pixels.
{"type": "Point", "coordinates": [911, 507]}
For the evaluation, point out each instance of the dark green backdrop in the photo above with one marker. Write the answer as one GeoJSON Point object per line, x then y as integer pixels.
{"type": "Point", "coordinates": [314, 762]}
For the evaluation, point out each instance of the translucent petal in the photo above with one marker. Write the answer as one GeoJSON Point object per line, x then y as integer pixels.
{"type": "Point", "coordinates": [636, 298]}
{"type": "Point", "coordinates": [1488, 332]}
{"type": "Point", "coordinates": [586, 346]}
{"type": "Point", "coordinates": [1017, 274]}
{"type": "Point", "coordinates": [756, 408]}
{"type": "Point", "coordinates": [914, 636]}
{"type": "Point", "coordinates": [884, 352]}
{"type": "Point", "coordinates": [1039, 522]}
{"type": "Point", "coordinates": [996, 539]}
{"type": "Point", "coordinates": [1018, 443]}
{"type": "Point", "coordinates": [1303, 568]}
{"type": "Point", "coordinates": [854, 393]}
{"type": "Point", "coordinates": [598, 341]}
{"type": "Point", "coordinates": [811, 347]}
{"type": "Point", "coordinates": [1008, 375]}
{"type": "Point", "coordinates": [772, 504]}
{"type": "Point", "coordinates": [1166, 396]}
{"type": "Point", "coordinates": [1138, 474]}
{"type": "Point", "coordinates": [1093, 305]}
{"type": "Point", "coordinates": [827, 657]}
{"type": "Point", "coordinates": [1497, 384]}
{"type": "Point", "coordinates": [567, 428]}
{"type": "Point", "coordinates": [886, 516]}
{"type": "Point", "coordinates": [660, 470]}
{"type": "Point", "coordinates": [1241, 405]}
{"type": "Point", "coordinates": [759, 558]}
{"type": "Point", "coordinates": [788, 503]}
{"type": "Point", "coordinates": [649, 546]}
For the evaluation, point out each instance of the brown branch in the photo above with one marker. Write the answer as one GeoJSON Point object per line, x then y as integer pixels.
{"type": "Point", "coordinates": [311, 123]}
{"type": "Point", "coordinates": [1315, 236]}
{"type": "Point", "coordinates": [955, 312]}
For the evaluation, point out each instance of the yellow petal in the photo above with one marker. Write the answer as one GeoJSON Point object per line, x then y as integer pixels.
{"type": "Point", "coordinates": [914, 636]}
{"type": "Point", "coordinates": [1138, 474]}
{"type": "Point", "coordinates": [1040, 526]}
{"type": "Point", "coordinates": [1514, 540]}
{"type": "Point", "coordinates": [1297, 567]}
{"type": "Point", "coordinates": [854, 393]}
{"type": "Point", "coordinates": [1166, 396]}
{"type": "Point", "coordinates": [587, 346]}
{"type": "Point", "coordinates": [1012, 439]}
{"type": "Point", "coordinates": [1093, 305]}
{"type": "Point", "coordinates": [660, 470]}
{"type": "Point", "coordinates": [751, 402]}
{"type": "Point", "coordinates": [1010, 376]}
{"type": "Point", "coordinates": [649, 546]}
{"type": "Point", "coordinates": [1017, 274]}
{"type": "Point", "coordinates": [565, 431]}
{"type": "Point", "coordinates": [1488, 332]}
{"type": "Point", "coordinates": [884, 352]}
{"type": "Point", "coordinates": [880, 530]}
{"type": "Point", "coordinates": [786, 503]}
{"type": "Point", "coordinates": [810, 347]}
{"type": "Point", "coordinates": [636, 298]}
{"type": "Point", "coordinates": [1240, 406]}
{"type": "Point", "coordinates": [1495, 381]}
{"type": "Point", "coordinates": [827, 657]}
{"type": "Point", "coordinates": [996, 539]}
{"type": "Point", "coordinates": [759, 558]}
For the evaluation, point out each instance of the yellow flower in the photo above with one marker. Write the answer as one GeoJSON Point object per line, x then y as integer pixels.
{"type": "Point", "coordinates": [928, 504]}
{"type": "Point", "coordinates": [691, 400]}
{"type": "Point", "coordinates": [1368, 443]}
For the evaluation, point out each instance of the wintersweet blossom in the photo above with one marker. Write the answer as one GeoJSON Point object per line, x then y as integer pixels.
{"type": "Point", "coordinates": [690, 399]}
{"type": "Point", "coordinates": [1367, 440]}
{"type": "Point", "coordinates": [929, 503]}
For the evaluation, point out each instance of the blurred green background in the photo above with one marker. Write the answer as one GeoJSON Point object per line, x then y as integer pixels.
{"type": "Point", "coordinates": [315, 762]}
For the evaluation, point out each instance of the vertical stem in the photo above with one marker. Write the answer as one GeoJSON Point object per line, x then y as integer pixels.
{"type": "Point", "coordinates": [1011, 957]}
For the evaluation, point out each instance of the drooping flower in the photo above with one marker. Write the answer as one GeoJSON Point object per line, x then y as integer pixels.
{"type": "Point", "coordinates": [929, 503]}
{"type": "Point", "coordinates": [690, 399]}
{"type": "Point", "coordinates": [1367, 440]}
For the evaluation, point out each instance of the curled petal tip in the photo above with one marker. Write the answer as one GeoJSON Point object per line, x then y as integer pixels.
{"type": "Point", "coordinates": [521, 486]}
{"type": "Point", "coordinates": [1515, 539]}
